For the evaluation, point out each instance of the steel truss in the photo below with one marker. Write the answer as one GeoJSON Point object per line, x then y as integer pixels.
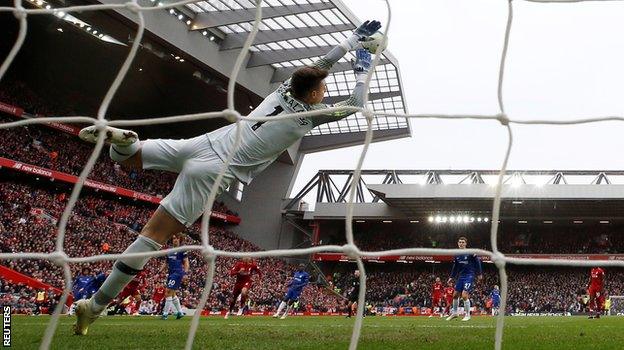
{"type": "Point", "coordinates": [332, 186]}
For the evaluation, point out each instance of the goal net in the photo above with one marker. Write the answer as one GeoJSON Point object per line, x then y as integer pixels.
{"type": "Point", "coordinates": [205, 248]}
{"type": "Point", "coordinates": [615, 305]}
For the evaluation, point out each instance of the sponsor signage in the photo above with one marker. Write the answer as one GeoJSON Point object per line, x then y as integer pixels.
{"type": "Point", "coordinates": [100, 186]}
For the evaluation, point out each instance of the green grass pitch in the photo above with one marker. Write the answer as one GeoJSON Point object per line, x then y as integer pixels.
{"type": "Point", "coordinates": [255, 333]}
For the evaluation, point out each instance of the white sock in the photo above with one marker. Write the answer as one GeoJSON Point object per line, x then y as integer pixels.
{"type": "Point", "coordinates": [176, 304]}
{"type": "Point", "coordinates": [281, 307]}
{"type": "Point", "coordinates": [124, 271]}
{"type": "Point", "coordinates": [286, 312]}
{"type": "Point", "coordinates": [168, 305]}
{"type": "Point", "coordinates": [467, 307]}
{"type": "Point", "coordinates": [121, 153]}
{"type": "Point", "coordinates": [455, 305]}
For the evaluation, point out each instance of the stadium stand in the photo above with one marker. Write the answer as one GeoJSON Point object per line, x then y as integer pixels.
{"type": "Point", "coordinates": [24, 299]}
{"type": "Point", "coordinates": [99, 220]}
{"type": "Point", "coordinates": [58, 151]}
{"type": "Point", "coordinates": [530, 290]}
{"type": "Point", "coordinates": [41, 146]}
{"type": "Point", "coordinates": [103, 223]}
{"type": "Point", "coordinates": [29, 210]}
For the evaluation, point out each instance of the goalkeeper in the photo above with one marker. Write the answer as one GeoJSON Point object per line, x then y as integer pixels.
{"type": "Point", "coordinates": [199, 160]}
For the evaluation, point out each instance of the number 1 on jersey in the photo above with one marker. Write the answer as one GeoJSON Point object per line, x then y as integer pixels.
{"type": "Point", "coordinates": [276, 111]}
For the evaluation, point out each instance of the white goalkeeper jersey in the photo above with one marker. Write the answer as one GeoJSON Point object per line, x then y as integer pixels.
{"type": "Point", "coordinates": [262, 142]}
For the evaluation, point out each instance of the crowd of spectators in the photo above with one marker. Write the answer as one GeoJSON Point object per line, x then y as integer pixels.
{"type": "Point", "coordinates": [58, 151]}
{"type": "Point", "coordinates": [29, 212]}
{"type": "Point", "coordinates": [539, 289]}
{"type": "Point", "coordinates": [55, 150]}
{"type": "Point", "coordinates": [99, 225]}
{"type": "Point", "coordinates": [25, 300]}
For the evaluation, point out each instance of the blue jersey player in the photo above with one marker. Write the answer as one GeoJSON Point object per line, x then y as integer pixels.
{"type": "Point", "coordinates": [82, 284]}
{"type": "Point", "coordinates": [465, 268]}
{"type": "Point", "coordinates": [96, 283]}
{"type": "Point", "coordinates": [178, 265]}
{"type": "Point", "coordinates": [86, 284]}
{"type": "Point", "coordinates": [495, 297]}
{"type": "Point", "coordinates": [300, 279]}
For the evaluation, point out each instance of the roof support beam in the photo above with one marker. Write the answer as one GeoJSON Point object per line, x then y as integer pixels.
{"type": "Point", "coordinates": [269, 57]}
{"type": "Point", "coordinates": [433, 178]}
{"type": "Point", "coordinates": [281, 74]}
{"type": "Point", "coordinates": [213, 19]}
{"type": "Point", "coordinates": [371, 97]}
{"type": "Point", "coordinates": [307, 188]}
{"type": "Point", "coordinates": [237, 40]}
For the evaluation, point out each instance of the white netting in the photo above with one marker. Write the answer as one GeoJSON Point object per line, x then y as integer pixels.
{"type": "Point", "coordinates": [59, 257]}
{"type": "Point", "coordinates": [617, 306]}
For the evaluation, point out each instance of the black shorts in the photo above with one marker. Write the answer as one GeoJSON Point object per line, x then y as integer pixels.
{"type": "Point", "coordinates": [353, 297]}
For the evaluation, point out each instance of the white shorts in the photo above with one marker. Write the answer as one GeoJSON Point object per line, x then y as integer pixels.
{"type": "Point", "coordinates": [198, 167]}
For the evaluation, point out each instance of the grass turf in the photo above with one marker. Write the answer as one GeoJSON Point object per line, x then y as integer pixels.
{"type": "Point", "coordinates": [326, 333]}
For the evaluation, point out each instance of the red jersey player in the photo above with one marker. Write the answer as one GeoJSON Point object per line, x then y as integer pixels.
{"type": "Point", "coordinates": [158, 297]}
{"type": "Point", "coordinates": [596, 297]}
{"type": "Point", "coordinates": [133, 291]}
{"type": "Point", "coordinates": [243, 271]}
{"type": "Point", "coordinates": [448, 297]}
{"type": "Point", "coordinates": [436, 296]}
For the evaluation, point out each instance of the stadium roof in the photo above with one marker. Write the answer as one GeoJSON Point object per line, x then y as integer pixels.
{"type": "Point", "coordinates": [294, 33]}
{"type": "Point", "coordinates": [544, 195]}
{"type": "Point", "coordinates": [205, 38]}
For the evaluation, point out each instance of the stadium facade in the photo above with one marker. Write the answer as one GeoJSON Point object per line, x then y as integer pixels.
{"type": "Point", "coordinates": [448, 203]}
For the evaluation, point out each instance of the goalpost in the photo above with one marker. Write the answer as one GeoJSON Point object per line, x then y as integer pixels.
{"type": "Point", "coordinates": [207, 250]}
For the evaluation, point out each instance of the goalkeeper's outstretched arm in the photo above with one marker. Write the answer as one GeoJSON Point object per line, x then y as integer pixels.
{"type": "Point", "coordinates": [365, 30]}
{"type": "Point", "coordinates": [360, 67]}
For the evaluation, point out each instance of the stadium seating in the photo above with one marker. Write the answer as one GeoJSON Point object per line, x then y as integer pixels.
{"type": "Point", "coordinates": [101, 224]}
{"type": "Point", "coordinates": [98, 220]}
{"type": "Point", "coordinates": [28, 212]}
{"type": "Point", "coordinates": [22, 299]}
{"type": "Point", "coordinates": [55, 150]}
{"type": "Point", "coordinates": [539, 289]}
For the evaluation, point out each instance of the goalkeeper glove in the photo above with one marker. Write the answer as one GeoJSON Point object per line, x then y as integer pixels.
{"type": "Point", "coordinates": [367, 29]}
{"type": "Point", "coordinates": [362, 33]}
{"type": "Point", "coordinates": [362, 61]}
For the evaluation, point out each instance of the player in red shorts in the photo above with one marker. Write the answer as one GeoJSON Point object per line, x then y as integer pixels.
{"type": "Point", "coordinates": [243, 271]}
{"type": "Point", "coordinates": [132, 290]}
{"type": "Point", "coordinates": [448, 297]}
{"type": "Point", "coordinates": [158, 297]}
{"type": "Point", "coordinates": [596, 296]}
{"type": "Point", "coordinates": [436, 296]}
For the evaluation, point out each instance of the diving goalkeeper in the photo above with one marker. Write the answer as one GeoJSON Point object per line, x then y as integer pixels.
{"type": "Point", "coordinates": [199, 160]}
